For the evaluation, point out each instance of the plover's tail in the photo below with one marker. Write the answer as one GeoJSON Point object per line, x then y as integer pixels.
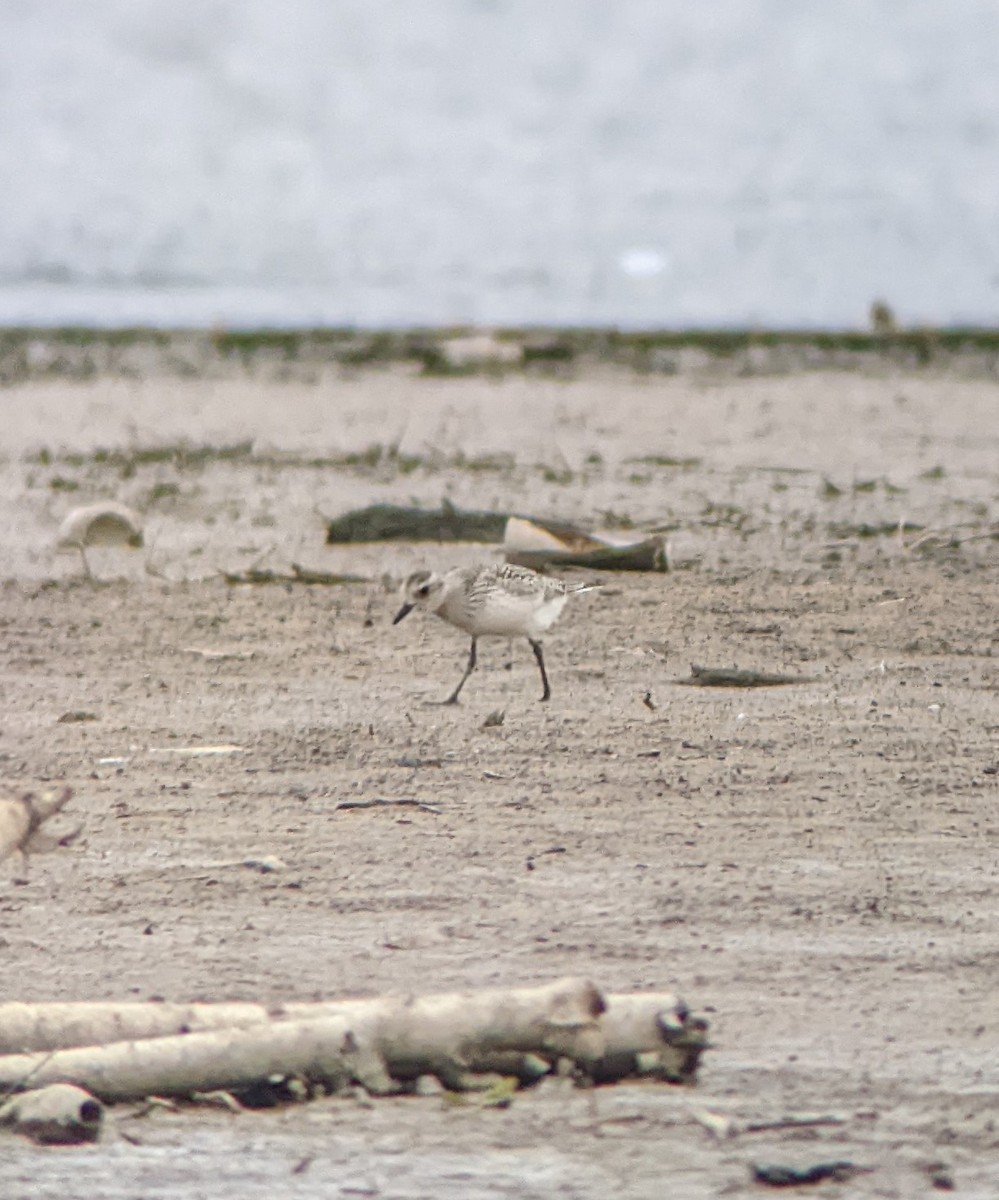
{"type": "Point", "coordinates": [576, 589]}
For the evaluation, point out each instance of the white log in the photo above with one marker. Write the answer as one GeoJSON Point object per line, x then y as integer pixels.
{"type": "Point", "coordinates": [52, 1026]}
{"type": "Point", "coordinates": [200, 1062]}
{"type": "Point", "coordinates": [62, 1025]}
{"type": "Point", "coordinates": [374, 1042]}
{"type": "Point", "coordinates": [136, 1049]}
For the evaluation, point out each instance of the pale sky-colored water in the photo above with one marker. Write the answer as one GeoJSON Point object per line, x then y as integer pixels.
{"type": "Point", "coordinates": [384, 162]}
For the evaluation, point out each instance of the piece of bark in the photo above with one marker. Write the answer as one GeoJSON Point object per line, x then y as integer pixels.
{"type": "Point", "coordinates": [779, 1175]}
{"type": "Point", "coordinates": [535, 544]}
{"type": "Point", "coordinates": [22, 815]}
{"type": "Point", "coordinates": [649, 555]}
{"type": "Point", "coordinates": [59, 1114]}
{"type": "Point", "coordinates": [524, 533]}
{"type": "Point", "coordinates": [737, 678]}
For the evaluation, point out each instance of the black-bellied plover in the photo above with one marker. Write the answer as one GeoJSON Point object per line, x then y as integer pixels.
{"type": "Point", "coordinates": [498, 600]}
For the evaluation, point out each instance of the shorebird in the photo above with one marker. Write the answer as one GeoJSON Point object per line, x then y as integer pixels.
{"type": "Point", "coordinates": [498, 600]}
{"type": "Point", "coordinates": [105, 524]}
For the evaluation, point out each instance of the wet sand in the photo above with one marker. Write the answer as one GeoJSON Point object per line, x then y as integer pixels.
{"type": "Point", "coordinates": [814, 867]}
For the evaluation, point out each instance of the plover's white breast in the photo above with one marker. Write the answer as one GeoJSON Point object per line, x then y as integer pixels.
{"type": "Point", "coordinates": [502, 600]}
{"type": "Point", "coordinates": [501, 612]}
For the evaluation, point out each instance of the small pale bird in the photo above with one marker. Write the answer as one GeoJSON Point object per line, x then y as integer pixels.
{"type": "Point", "coordinates": [498, 600]}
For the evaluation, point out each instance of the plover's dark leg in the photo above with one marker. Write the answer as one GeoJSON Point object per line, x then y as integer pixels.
{"type": "Point", "coordinates": [453, 698]}
{"type": "Point", "coordinates": [536, 647]}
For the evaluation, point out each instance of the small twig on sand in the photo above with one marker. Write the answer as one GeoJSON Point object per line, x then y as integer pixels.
{"type": "Point", "coordinates": [722, 1125]}
{"type": "Point", "coordinates": [791, 1123]}
{"type": "Point", "coordinates": [387, 802]}
{"type": "Point", "coordinates": [297, 574]}
{"type": "Point", "coordinates": [734, 677]}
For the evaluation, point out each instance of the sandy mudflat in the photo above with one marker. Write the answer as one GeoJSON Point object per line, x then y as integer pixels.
{"type": "Point", "coordinates": [814, 867]}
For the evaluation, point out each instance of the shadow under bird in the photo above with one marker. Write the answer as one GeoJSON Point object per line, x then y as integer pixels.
{"type": "Point", "coordinates": [491, 601]}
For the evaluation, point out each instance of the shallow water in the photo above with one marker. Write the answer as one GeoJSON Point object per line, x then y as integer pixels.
{"type": "Point", "coordinates": [646, 163]}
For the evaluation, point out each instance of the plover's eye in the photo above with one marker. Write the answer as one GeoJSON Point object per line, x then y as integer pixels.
{"type": "Point", "coordinates": [423, 592]}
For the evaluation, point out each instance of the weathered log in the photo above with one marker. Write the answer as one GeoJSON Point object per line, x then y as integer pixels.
{"type": "Point", "coordinates": [25, 1028]}
{"type": "Point", "coordinates": [59, 1114]}
{"type": "Point", "coordinates": [374, 1042]}
{"type": "Point", "coordinates": [21, 816]}
{"type": "Point", "coordinates": [392, 522]}
{"type": "Point", "coordinates": [534, 544]}
{"type": "Point", "coordinates": [649, 555]}
{"type": "Point", "coordinates": [321, 1050]}
{"type": "Point", "coordinates": [377, 1042]}
{"type": "Point", "coordinates": [60, 1025]}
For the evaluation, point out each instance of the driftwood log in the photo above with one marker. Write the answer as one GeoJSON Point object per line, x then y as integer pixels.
{"type": "Point", "coordinates": [227, 1059]}
{"type": "Point", "coordinates": [129, 1050]}
{"type": "Point", "coordinates": [527, 541]}
{"type": "Point", "coordinates": [392, 522]}
{"type": "Point", "coordinates": [648, 555]}
{"type": "Point", "coordinates": [537, 545]}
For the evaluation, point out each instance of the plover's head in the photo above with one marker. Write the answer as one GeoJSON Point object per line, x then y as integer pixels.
{"type": "Point", "coordinates": [423, 589]}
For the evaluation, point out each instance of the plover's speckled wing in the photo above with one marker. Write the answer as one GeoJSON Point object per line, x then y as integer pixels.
{"type": "Point", "coordinates": [518, 581]}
